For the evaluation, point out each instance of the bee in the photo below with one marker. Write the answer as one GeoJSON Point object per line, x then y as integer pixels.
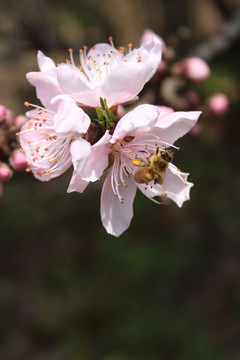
{"type": "Point", "coordinates": [154, 167]}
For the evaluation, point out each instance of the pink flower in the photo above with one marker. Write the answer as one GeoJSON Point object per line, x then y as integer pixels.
{"type": "Point", "coordinates": [137, 137]}
{"type": "Point", "coordinates": [104, 72]}
{"type": "Point", "coordinates": [47, 138]}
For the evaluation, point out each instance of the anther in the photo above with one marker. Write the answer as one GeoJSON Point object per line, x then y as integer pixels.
{"type": "Point", "coordinates": [136, 162]}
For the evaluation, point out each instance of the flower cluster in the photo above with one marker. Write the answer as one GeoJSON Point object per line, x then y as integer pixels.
{"type": "Point", "coordinates": [133, 149]}
{"type": "Point", "coordinates": [11, 157]}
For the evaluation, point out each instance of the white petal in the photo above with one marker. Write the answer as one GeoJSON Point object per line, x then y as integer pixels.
{"type": "Point", "coordinates": [69, 117]}
{"type": "Point", "coordinates": [46, 87]}
{"type": "Point", "coordinates": [124, 82]}
{"type": "Point", "coordinates": [46, 64]}
{"type": "Point", "coordinates": [98, 159]}
{"type": "Point", "coordinates": [174, 125]}
{"type": "Point", "coordinates": [135, 122]}
{"type": "Point", "coordinates": [72, 81]}
{"type": "Point", "coordinates": [80, 150]}
{"type": "Point", "coordinates": [76, 183]}
{"type": "Point", "coordinates": [116, 217]}
{"type": "Point", "coordinates": [174, 187]}
{"type": "Point", "coordinates": [150, 53]}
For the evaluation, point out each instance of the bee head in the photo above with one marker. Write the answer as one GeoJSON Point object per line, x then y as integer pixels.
{"type": "Point", "coordinates": [166, 154]}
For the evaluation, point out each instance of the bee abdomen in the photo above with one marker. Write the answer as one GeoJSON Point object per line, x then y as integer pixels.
{"type": "Point", "coordinates": [144, 175]}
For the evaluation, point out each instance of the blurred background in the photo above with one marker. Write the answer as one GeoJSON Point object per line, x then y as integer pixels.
{"type": "Point", "coordinates": [168, 288]}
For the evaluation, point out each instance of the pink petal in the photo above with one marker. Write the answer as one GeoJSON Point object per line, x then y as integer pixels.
{"type": "Point", "coordinates": [46, 64]}
{"type": "Point", "coordinates": [175, 186]}
{"type": "Point", "coordinates": [73, 82]}
{"type": "Point", "coordinates": [116, 217]}
{"type": "Point", "coordinates": [150, 55]}
{"type": "Point", "coordinates": [80, 150]}
{"type": "Point", "coordinates": [173, 126]}
{"type": "Point", "coordinates": [69, 117]}
{"type": "Point", "coordinates": [76, 183]}
{"type": "Point", "coordinates": [46, 87]}
{"type": "Point", "coordinates": [176, 189]}
{"type": "Point", "coordinates": [135, 122]}
{"type": "Point", "coordinates": [98, 159]}
{"type": "Point", "coordinates": [148, 35]}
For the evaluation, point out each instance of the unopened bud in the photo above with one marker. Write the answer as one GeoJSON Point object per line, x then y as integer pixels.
{"type": "Point", "coordinates": [20, 120]}
{"type": "Point", "coordinates": [10, 118]}
{"type": "Point", "coordinates": [194, 69]}
{"type": "Point", "coordinates": [17, 160]}
{"type": "Point", "coordinates": [5, 172]}
{"type": "Point", "coordinates": [192, 98]}
{"type": "Point", "coordinates": [3, 112]}
{"type": "Point", "coordinates": [218, 104]}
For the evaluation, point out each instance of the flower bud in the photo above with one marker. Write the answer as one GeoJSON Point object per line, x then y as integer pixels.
{"type": "Point", "coordinates": [9, 118]}
{"type": "Point", "coordinates": [218, 104]}
{"type": "Point", "coordinates": [17, 160]}
{"type": "Point", "coordinates": [5, 172]}
{"type": "Point", "coordinates": [3, 112]}
{"type": "Point", "coordinates": [194, 69]}
{"type": "Point", "coordinates": [20, 120]}
{"type": "Point", "coordinates": [192, 98]}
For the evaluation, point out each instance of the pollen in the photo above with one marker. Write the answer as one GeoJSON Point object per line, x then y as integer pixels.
{"type": "Point", "coordinates": [136, 162]}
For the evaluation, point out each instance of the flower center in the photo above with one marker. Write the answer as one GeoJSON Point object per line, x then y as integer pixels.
{"type": "Point", "coordinates": [100, 59]}
{"type": "Point", "coordinates": [47, 151]}
{"type": "Point", "coordinates": [133, 153]}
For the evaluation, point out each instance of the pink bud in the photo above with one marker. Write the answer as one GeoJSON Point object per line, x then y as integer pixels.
{"type": "Point", "coordinates": [194, 69]}
{"type": "Point", "coordinates": [18, 160]}
{"type": "Point", "coordinates": [218, 104]}
{"type": "Point", "coordinates": [192, 97]}
{"type": "Point", "coordinates": [3, 112]}
{"type": "Point", "coordinates": [20, 120]}
{"type": "Point", "coordinates": [10, 118]}
{"type": "Point", "coordinates": [5, 172]}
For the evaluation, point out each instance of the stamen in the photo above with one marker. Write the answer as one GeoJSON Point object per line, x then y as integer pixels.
{"type": "Point", "coordinates": [71, 55]}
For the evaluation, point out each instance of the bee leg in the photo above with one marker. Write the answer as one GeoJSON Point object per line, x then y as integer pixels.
{"type": "Point", "coordinates": [158, 180]}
